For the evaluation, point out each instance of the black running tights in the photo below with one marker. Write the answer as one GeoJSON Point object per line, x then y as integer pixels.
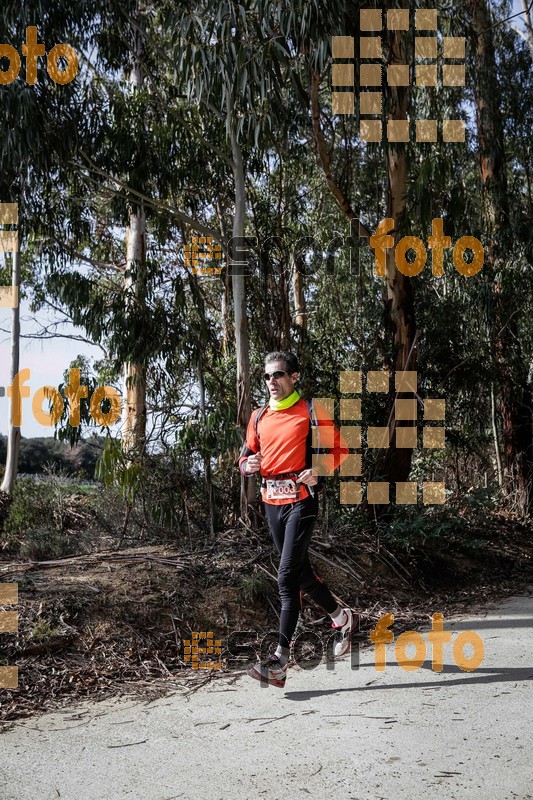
{"type": "Point", "coordinates": [291, 526]}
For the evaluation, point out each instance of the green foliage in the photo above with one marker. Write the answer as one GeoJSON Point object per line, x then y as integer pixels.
{"type": "Point", "coordinates": [34, 505]}
{"type": "Point", "coordinates": [114, 469]}
{"type": "Point", "coordinates": [158, 488]}
{"type": "Point", "coordinates": [79, 159]}
{"type": "Point", "coordinates": [413, 527]}
{"type": "Point", "coordinates": [416, 527]}
{"type": "Point", "coordinates": [37, 452]}
{"type": "Point", "coordinates": [44, 544]}
{"type": "Point", "coordinates": [42, 630]}
{"type": "Point", "coordinates": [254, 587]}
{"type": "Point", "coordinates": [36, 523]}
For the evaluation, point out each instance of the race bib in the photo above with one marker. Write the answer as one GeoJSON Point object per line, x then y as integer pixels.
{"type": "Point", "coordinates": [281, 489]}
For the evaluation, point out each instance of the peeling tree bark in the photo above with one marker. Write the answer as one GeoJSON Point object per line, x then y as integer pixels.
{"type": "Point", "coordinates": [13, 435]}
{"type": "Point", "coordinates": [528, 25]}
{"type": "Point", "coordinates": [134, 373]}
{"type": "Point", "coordinates": [242, 346]}
{"type": "Point", "coordinates": [207, 460]}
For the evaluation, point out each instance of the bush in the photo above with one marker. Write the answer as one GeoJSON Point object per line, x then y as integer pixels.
{"type": "Point", "coordinates": [44, 544]}
{"type": "Point", "coordinates": [413, 527]}
{"type": "Point", "coordinates": [33, 505]}
{"type": "Point", "coordinates": [254, 587]}
{"type": "Point", "coordinates": [36, 521]}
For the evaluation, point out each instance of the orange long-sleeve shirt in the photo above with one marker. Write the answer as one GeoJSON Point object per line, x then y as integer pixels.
{"type": "Point", "coordinates": [285, 443]}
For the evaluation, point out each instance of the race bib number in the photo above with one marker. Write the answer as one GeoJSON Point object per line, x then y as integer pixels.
{"type": "Point", "coordinates": [281, 490]}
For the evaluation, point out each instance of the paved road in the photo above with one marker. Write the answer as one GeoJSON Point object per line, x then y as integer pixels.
{"type": "Point", "coordinates": [343, 733]}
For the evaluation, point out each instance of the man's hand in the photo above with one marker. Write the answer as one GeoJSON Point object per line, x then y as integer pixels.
{"type": "Point", "coordinates": [253, 463]}
{"type": "Point", "coordinates": [308, 476]}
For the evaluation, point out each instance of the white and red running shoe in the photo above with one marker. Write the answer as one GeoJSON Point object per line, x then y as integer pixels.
{"type": "Point", "coordinates": [269, 671]}
{"type": "Point", "coordinates": [344, 635]}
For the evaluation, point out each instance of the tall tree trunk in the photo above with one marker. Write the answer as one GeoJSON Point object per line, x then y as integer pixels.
{"type": "Point", "coordinates": [495, 436]}
{"type": "Point", "coordinates": [394, 464]}
{"type": "Point", "coordinates": [299, 300]}
{"type": "Point", "coordinates": [226, 293]}
{"type": "Point", "coordinates": [13, 435]}
{"type": "Point", "coordinates": [242, 346]}
{"type": "Point", "coordinates": [514, 401]}
{"type": "Point", "coordinates": [134, 425]}
{"type": "Point", "coordinates": [391, 465]}
{"type": "Point", "coordinates": [207, 460]}
{"type": "Point", "coordinates": [284, 310]}
{"type": "Point", "coordinates": [284, 305]}
{"type": "Point", "coordinates": [528, 24]}
{"type": "Point", "coordinates": [134, 374]}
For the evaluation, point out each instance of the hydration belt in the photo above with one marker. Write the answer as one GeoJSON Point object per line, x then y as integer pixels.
{"type": "Point", "coordinates": [281, 477]}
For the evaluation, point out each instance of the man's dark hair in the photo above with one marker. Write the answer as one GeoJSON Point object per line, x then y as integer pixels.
{"type": "Point", "coordinates": [291, 361]}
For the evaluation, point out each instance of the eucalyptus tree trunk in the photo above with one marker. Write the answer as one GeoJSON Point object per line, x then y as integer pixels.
{"type": "Point", "coordinates": [299, 300]}
{"type": "Point", "coordinates": [207, 461]}
{"type": "Point", "coordinates": [13, 435]}
{"type": "Point", "coordinates": [528, 24]}
{"type": "Point", "coordinates": [394, 464]}
{"type": "Point", "coordinates": [134, 373]}
{"type": "Point", "coordinates": [495, 436]}
{"type": "Point", "coordinates": [284, 309]}
{"type": "Point", "coordinates": [134, 425]}
{"type": "Point", "coordinates": [242, 345]}
{"type": "Point", "coordinates": [226, 292]}
{"type": "Point", "coordinates": [514, 401]}
{"type": "Point", "coordinates": [292, 274]}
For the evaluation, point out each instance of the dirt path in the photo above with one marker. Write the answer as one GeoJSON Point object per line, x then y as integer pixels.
{"type": "Point", "coordinates": [349, 733]}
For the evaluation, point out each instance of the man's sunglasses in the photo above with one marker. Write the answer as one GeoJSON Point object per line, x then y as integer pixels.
{"type": "Point", "coordinates": [279, 373]}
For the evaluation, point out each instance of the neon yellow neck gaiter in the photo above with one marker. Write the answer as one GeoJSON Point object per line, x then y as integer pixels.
{"type": "Point", "coordinates": [287, 402]}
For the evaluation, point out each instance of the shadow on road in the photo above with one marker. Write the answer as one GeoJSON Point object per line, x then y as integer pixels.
{"type": "Point", "coordinates": [479, 677]}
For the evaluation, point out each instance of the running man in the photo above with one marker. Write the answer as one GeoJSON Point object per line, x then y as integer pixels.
{"type": "Point", "coordinates": [279, 446]}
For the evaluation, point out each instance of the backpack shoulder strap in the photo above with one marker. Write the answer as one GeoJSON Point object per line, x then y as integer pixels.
{"type": "Point", "coordinates": [316, 450]}
{"type": "Point", "coordinates": [258, 417]}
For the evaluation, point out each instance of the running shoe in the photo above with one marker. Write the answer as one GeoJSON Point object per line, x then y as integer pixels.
{"type": "Point", "coordinates": [344, 635]}
{"type": "Point", "coordinates": [269, 671]}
